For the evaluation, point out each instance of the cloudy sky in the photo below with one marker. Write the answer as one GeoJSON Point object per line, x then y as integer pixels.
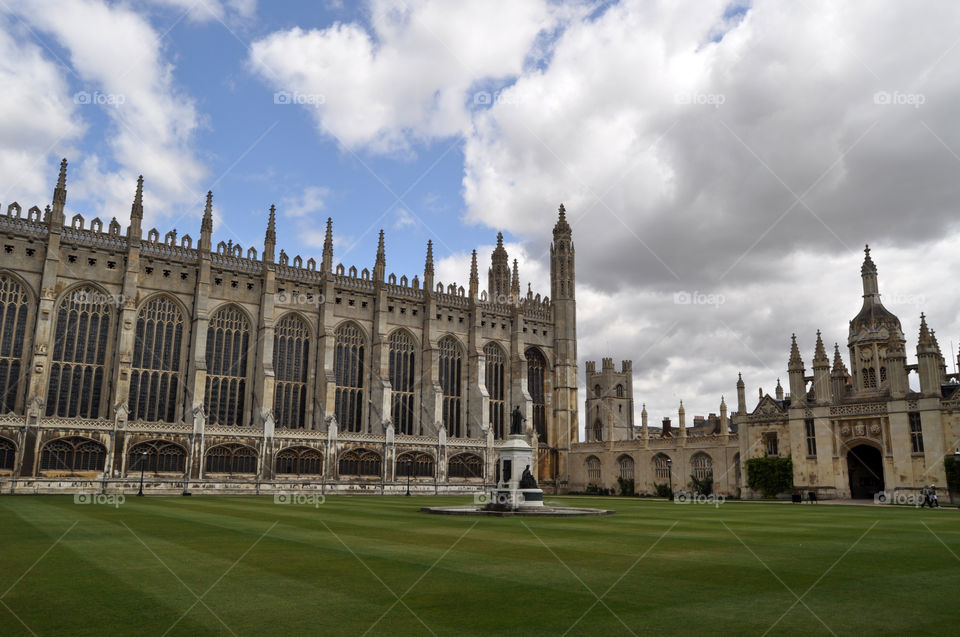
{"type": "Point", "coordinates": [722, 163]}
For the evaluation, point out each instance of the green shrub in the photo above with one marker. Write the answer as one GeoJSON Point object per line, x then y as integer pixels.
{"type": "Point", "coordinates": [626, 486]}
{"type": "Point", "coordinates": [770, 475]}
{"type": "Point", "coordinates": [702, 487]}
{"type": "Point", "coordinates": [663, 490]}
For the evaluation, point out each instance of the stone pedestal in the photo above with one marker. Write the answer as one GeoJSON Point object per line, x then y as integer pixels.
{"type": "Point", "coordinates": [516, 455]}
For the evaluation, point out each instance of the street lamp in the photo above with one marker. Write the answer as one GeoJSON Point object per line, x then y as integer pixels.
{"type": "Point", "coordinates": [143, 457]}
{"type": "Point", "coordinates": [409, 471]}
{"type": "Point", "coordinates": [670, 475]}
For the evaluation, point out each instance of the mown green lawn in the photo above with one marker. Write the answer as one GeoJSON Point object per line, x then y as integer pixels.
{"type": "Point", "coordinates": [261, 568]}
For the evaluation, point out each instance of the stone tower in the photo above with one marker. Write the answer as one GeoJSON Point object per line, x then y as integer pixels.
{"type": "Point", "coordinates": [564, 302]}
{"type": "Point", "coordinates": [875, 333]}
{"type": "Point", "coordinates": [609, 404]}
{"type": "Point", "coordinates": [498, 276]}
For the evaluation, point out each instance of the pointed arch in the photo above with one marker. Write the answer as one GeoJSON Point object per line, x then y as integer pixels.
{"type": "Point", "coordinates": [402, 373]}
{"type": "Point", "coordinates": [626, 465]}
{"type": "Point", "coordinates": [661, 466]}
{"type": "Point", "coordinates": [299, 461]}
{"type": "Point", "coordinates": [496, 383]}
{"type": "Point", "coordinates": [8, 454]}
{"type": "Point", "coordinates": [16, 303]}
{"type": "Point", "coordinates": [156, 456]}
{"type": "Point", "coordinates": [465, 465]}
{"type": "Point", "coordinates": [291, 364]}
{"type": "Point", "coordinates": [231, 458]}
{"type": "Point", "coordinates": [360, 462]}
{"type": "Point", "coordinates": [415, 464]}
{"type": "Point", "coordinates": [702, 465]}
{"type": "Point", "coordinates": [82, 336]}
{"type": "Point", "coordinates": [73, 454]}
{"type": "Point", "coordinates": [593, 469]}
{"type": "Point", "coordinates": [228, 345]}
{"type": "Point", "coordinates": [349, 369]}
{"type": "Point", "coordinates": [450, 357]}
{"type": "Point", "coordinates": [156, 376]}
{"type": "Point", "coordinates": [536, 385]}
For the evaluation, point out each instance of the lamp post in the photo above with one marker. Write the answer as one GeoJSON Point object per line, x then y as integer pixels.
{"type": "Point", "coordinates": [409, 471]}
{"type": "Point", "coordinates": [670, 475]}
{"type": "Point", "coordinates": [143, 457]}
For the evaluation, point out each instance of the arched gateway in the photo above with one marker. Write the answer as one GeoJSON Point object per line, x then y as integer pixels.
{"type": "Point", "coordinates": [865, 468]}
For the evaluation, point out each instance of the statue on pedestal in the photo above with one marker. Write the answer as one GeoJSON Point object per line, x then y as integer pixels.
{"type": "Point", "coordinates": [516, 422]}
{"type": "Point", "coordinates": [527, 481]}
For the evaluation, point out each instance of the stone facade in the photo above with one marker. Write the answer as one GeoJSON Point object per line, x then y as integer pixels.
{"type": "Point", "coordinates": [856, 433]}
{"type": "Point", "coordinates": [849, 434]}
{"type": "Point", "coordinates": [214, 368]}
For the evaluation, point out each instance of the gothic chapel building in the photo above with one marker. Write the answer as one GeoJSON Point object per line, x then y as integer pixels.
{"type": "Point", "coordinates": [215, 369]}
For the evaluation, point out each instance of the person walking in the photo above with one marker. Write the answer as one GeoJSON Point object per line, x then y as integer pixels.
{"type": "Point", "coordinates": [934, 502]}
{"type": "Point", "coordinates": [925, 495]}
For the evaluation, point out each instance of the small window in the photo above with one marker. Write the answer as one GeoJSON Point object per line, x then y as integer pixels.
{"type": "Point", "coordinates": [916, 432]}
{"type": "Point", "coordinates": [811, 437]}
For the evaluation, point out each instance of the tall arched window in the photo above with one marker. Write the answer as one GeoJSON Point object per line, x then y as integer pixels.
{"type": "Point", "coordinates": [414, 464]}
{"type": "Point", "coordinates": [598, 431]}
{"type": "Point", "coordinates": [360, 462]}
{"type": "Point", "coordinates": [593, 469]}
{"type": "Point", "coordinates": [661, 466]}
{"type": "Point", "coordinates": [78, 365]}
{"type": "Point", "coordinates": [73, 454]}
{"type": "Point", "coordinates": [301, 461]}
{"type": "Point", "coordinates": [155, 377]}
{"type": "Point", "coordinates": [160, 456]}
{"type": "Point", "coordinates": [291, 356]}
{"type": "Point", "coordinates": [348, 366]}
{"type": "Point", "coordinates": [619, 391]}
{"type": "Point", "coordinates": [451, 365]}
{"type": "Point", "coordinates": [702, 466]}
{"type": "Point", "coordinates": [465, 465]}
{"type": "Point", "coordinates": [496, 385]}
{"type": "Point", "coordinates": [536, 375]}
{"type": "Point", "coordinates": [231, 458]}
{"type": "Point", "coordinates": [13, 323]}
{"type": "Point", "coordinates": [625, 464]}
{"type": "Point", "coordinates": [8, 451]}
{"type": "Point", "coordinates": [402, 380]}
{"type": "Point", "coordinates": [228, 339]}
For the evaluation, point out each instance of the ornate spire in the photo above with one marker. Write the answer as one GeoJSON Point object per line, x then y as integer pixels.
{"type": "Point", "coordinates": [59, 196]}
{"type": "Point", "coordinates": [380, 266]}
{"type": "Point", "coordinates": [206, 226]}
{"type": "Point", "coordinates": [134, 231]}
{"type": "Point", "coordinates": [779, 390]}
{"type": "Point", "coordinates": [795, 361]}
{"type": "Point", "coordinates": [820, 354]}
{"type": "Point", "coordinates": [428, 268]}
{"type": "Point", "coordinates": [270, 238]}
{"type": "Point", "coordinates": [739, 379]}
{"type": "Point", "coordinates": [498, 276]}
{"type": "Point", "coordinates": [515, 283]}
{"type": "Point", "coordinates": [326, 264]}
{"type": "Point", "coordinates": [562, 227]}
{"type": "Point", "coordinates": [839, 368]}
{"type": "Point", "coordinates": [868, 266]}
{"type": "Point", "coordinates": [474, 276]}
{"type": "Point", "coordinates": [925, 337]}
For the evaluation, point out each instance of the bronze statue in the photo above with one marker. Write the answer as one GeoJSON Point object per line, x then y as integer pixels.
{"type": "Point", "coordinates": [527, 481]}
{"type": "Point", "coordinates": [516, 421]}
